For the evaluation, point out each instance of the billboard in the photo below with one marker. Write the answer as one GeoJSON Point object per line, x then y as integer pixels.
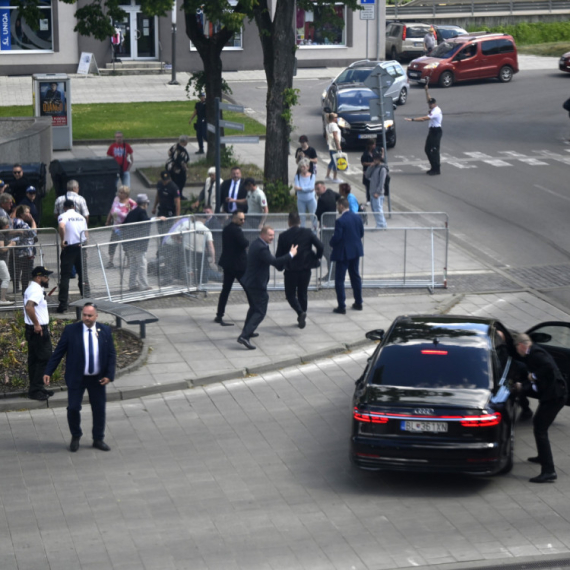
{"type": "Point", "coordinates": [53, 102]}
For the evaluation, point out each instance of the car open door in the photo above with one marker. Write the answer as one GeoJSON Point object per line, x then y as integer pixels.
{"type": "Point", "coordinates": [554, 337]}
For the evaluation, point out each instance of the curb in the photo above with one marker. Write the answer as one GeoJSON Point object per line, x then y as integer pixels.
{"type": "Point", "coordinates": [168, 140]}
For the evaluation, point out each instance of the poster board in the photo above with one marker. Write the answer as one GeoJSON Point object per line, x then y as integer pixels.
{"type": "Point", "coordinates": [87, 64]}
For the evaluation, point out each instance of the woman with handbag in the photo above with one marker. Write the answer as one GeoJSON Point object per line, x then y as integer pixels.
{"type": "Point", "coordinates": [304, 186]}
{"type": "Point", "coordinates": [122, 205]}
{"type": "Point", "coordinates": [333, 142]}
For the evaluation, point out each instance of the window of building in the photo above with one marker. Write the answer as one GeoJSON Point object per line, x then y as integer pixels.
{"type": "Point", "coordinates": [314, 31]}
{"type": "Point", "coordinates": [17, 36]}
{"type": "Point", "coordinates": [210, 28]}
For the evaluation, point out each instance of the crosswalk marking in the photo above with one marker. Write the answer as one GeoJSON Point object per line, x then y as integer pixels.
{"type": "Point", "coordinates": [497, 162]}
{"type": "Point", "coordinates": [533, 161]}
{"type": "Point", "coordinates": [460, 164]}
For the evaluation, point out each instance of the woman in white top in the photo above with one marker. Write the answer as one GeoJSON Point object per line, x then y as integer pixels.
{"type": "Point", "coordinates": [333, 142]}
{"type": "Point", "coordinates": [304, 185]}
{"type": "Point", "coordinates": [207, 196]}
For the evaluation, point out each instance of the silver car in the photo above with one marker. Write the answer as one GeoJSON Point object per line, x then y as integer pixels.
{"type": "Point", "coordinates": [356, 73]}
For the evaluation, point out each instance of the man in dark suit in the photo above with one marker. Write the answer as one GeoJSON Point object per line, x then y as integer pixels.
{"type": "Point", "coordinates": [298, 272]}
{"type": "Point", "coordinates": [545, 382]}
{"type": "Point", "coordinates": [255, 281]}
{"type": "Point", "coordinates": [326, 204]}
{"type": "Point", "coordinates": [233, 188]}
{"type": "Point", "coordinates": [233, 261]}
{"type": "Point", "coordinates": [90, 365]}
{"type": "Point", "coordinates": [347, 251]}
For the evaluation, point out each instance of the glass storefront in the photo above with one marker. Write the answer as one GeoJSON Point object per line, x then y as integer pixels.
{"type": "Point", "coordinates": [17, 36]}
{"type": "Point", "coordinates": [313, 30]}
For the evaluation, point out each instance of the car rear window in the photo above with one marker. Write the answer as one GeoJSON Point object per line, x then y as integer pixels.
{"type": "Point", "coordinates": [446, 50]}
{"type": "Point", "coordinates": [416, 32]}
{"type": "Point", "coordinates": [447, 34]}
{"type": "Point", "coordinates": [429, 365]}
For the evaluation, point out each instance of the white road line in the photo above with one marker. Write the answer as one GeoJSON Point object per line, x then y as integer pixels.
{"type": "Point", "coordinates": [460, 164]}
{"type": "Point", "coordinates": [533, 161]}
{"type": "Point", "coordinates": [548, 191]}
{"type": "Point", "coordinates": [497, 162]}
{"type": "Point", "coordinates": [513, 153]}
{"type": "Point", "coordinates": [479, 155]}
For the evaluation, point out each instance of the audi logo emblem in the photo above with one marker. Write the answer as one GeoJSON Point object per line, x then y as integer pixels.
{"type": "Point", "coordinates": [424, 411]}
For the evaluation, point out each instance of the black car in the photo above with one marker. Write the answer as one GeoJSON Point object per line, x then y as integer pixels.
{"type": "Point", "coordinates": [436, 394]}
{"type": "Point", "coordinates": [352, 104]}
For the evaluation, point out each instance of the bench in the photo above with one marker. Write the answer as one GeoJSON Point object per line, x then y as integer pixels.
{"type": "Point", "coordinates": [129, 313]}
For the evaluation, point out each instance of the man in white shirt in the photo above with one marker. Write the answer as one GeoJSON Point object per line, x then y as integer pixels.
{"type": "Point", "coordinates": [429, 41]}
{"type": "Point", "coordinates": [36, 317]}
{"type": "Point", "coordinates": [73, 195]}
{"type": "Point", "coordinates": [72, 228]}
{"type": "Point", "coordinates": [435, 133]}
{"type": "Point", "coordinates": [257, 208]}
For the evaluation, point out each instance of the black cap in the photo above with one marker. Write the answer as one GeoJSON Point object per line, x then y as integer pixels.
{"type": "Point", "coordinates": [41, 271]}
{"type": "Point", "coordinates": [165, 175]}
{"type": "Point", "coordinates": [31, 189]}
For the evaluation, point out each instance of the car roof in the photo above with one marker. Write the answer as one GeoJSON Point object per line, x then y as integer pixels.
{"type": "Point", "coordinates": [477, 36]}
{"type": "Point", "coordinates": [431, 326]}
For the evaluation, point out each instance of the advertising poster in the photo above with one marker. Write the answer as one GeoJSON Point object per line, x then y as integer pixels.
{"type": "Point", "coordinates": [53, 102]}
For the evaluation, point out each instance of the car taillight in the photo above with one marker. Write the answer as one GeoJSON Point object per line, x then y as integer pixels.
{"type": "Point", "coordinates": [487, 420]}
{"type": "Point", "coordinates": [436, 352]}
{"type": "Point", "coordinates": [369, 417]}
{"type": "Point", "coordinates": [404, 33]}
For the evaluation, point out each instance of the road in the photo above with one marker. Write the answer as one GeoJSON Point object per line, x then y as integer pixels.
{"type": "Point", "coordinates": [506, 154]}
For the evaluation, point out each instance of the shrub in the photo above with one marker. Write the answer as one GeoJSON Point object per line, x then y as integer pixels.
{"type": "Point", "coordinates": [279, 197]}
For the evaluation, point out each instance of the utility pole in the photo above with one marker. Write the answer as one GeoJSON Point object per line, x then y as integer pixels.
{"type": "Point", "coordinates": [173, 79]}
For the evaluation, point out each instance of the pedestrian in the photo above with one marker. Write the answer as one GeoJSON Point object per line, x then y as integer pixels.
{"type": "Point", "coordinates": [255, 280]}
{"type": "Point", "coordinates": [308, 152]}
{"type": "Point", "coordinates": [90, 365]}
{"type": "Point", "coordinates": [177, 163]}
{"type": "Point", "coordinates": [207, 196]}
{"type": "Point", "coordinates": [38, 336]}
{"type": "Point", "coordinates": [231, 191]}
{"type": "Point", "coordinates": [304, 186]}
{"type": "Point", "coordinates": [24, 252]}
{"type": "Point", "coordinates": [72, 193]}
{"type": "Point", "coordinates": [5, 244]}
{"type": "Point", "coordinates": [72, 228]}
{"type": "Point", "coordinates": [123, 154]}
{"type": "Point", "coordinates": [366, 160]}
{"type": "Point", "coordinates": [430, 41]}
{"type": "Point", "coordinates": [297, 274]}
{"type": "Point", "coordinates": [201, 251]}
{"type": "Point", "coordinates": [233, 261]}
{"type": "Point", "coordinates": [201, 124]}
{"type": "Point", "coordinates": [120, 208]}
{"type": "Point", "coordinates": [334, 146]}
{"type": "Point", "coordinates": [545, 382]}
{"type": "Point", "coordinates": [326, 204]}
{"type": "Point", "coordinates": [30, 200]}
{"type": "Point", "coordinates": [435, 133]}
{"type": "Point", "coordinates": [19, 185]}
{"type": "Point", "coordinates": [255, 203]}
{"type": "Point", "coordinates": [346, 192]}
{"type": "Point", "coordinates": [347, 250]}
{"type": "Point", "coordinates": [132, 229]}
{"type": "Point", "coordinates": [6, 204]}
{"type": "Point", "coordinates": [377, 174]}
{"type": "Point", "coordinates": [167, 199]}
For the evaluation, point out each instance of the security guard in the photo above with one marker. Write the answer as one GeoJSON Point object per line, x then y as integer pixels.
{"type": "Point", "coordinates": [72, 228]}
{"type": "Point", "coordinates": [167, 197]}
{"type": "Point", "coordinates": [36, 317]}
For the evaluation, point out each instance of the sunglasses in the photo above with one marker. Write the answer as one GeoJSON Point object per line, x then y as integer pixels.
{"type": "Point", "coordinates": [17, 172]}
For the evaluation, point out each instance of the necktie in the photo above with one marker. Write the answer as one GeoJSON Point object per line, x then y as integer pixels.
{"type": "Point", "coordinates": [209, 202]}
{"type": "Point", "coordinates": [233, 195]}
{"type": "Point", "coordinates": [91, 365]}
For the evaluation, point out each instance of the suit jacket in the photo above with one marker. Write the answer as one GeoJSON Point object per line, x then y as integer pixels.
{"type": "Point", "coordinates": [234, 246]}
{"type": "Point", "coordinates": [71, 343]}
{"type": "Point", "coordinates": [326, 203]}
{"type": "Point", "coordinates": [347, 238]}
{"type": "Point", "coordinates": [225, 192]}
{"type": "Point", "coordinates": [259, 259]}
{"type": "Point", "coordinates": [305, 239]}
{"type": "Point", "coordinates": [549, 380]}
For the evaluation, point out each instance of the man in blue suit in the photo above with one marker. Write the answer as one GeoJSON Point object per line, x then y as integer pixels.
{"type": "Point", "coordinates": [90, 365]}
{"type": "Point", "coordinates": [347, 250]}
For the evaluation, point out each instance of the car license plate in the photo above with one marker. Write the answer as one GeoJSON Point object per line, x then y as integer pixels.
{"type": "Point", "coordinates": [414, 74]}
{"type": "Point", "coordinates": [418, 44]}
{"type": "Point", "coordinates": [434, 427]}
{"type": "Point", "coordinates": [370, 136]}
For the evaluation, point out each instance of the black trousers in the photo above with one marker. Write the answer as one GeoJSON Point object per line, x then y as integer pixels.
{"type": "Point", "coordinates": [433, 142]}
{"type": "Point", "coordinates": [258, 300]}
{"type": "Point", "coordinates": [201, 133]}
{"type": "Point", "coordinates": [179, 178]}
{"type": "Point", "coordinates": [70, 257]}
{"type": "Point", "coordinates": [229, 277]}
{"type": "Point", "coordinates": [97, 399]}
{"type": "Point", "coordinates": [296, 287]}
{"type": "Point", "coordinates": [39, 353]}
{"type": "Point", "coordinates": [542, 420]}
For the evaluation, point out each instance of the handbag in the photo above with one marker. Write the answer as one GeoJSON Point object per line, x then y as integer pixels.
{"type": "Point", "coordinates": [341, 161]}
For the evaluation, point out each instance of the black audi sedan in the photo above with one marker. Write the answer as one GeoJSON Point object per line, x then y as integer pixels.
{"type": "Point", "coordinates": [436, 394]}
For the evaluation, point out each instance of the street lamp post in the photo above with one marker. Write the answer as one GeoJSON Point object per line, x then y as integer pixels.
{"type": "Point", "coordinates": [173, 79]}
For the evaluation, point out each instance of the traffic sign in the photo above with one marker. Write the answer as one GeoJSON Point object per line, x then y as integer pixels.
{"type": "Point", "coordinates": [368, 12]}
{"type": "Point", "coordinates": [386, 79]}
{"type": "Point", "coordinates": [239, 140]}
{"type": "Point", "coordinates": [211, 128]}
{"type": "Point", "coordinates": [376, 112]}
{"type": "Point", "coordinates": [232, 125]}
{"type": "Point", "coordinates": [230, 107]}
{"type": "Point", "coordinates": [367, 1]}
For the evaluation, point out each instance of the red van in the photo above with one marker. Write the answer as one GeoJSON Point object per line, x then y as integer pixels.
{"type": "Point", "coordinates": [474, 56]}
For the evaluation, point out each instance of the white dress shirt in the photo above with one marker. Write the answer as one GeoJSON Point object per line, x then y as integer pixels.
{"type": "Point", "coordinates": [96, 369]}
{"type": "Point", "coordinates": [435, 117]}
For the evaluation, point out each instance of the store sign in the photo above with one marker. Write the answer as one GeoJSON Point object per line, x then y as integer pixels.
{"type": "Point", "coordinates": [5, 34]}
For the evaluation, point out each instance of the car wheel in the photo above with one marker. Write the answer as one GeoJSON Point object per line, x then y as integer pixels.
{"type": "Point", "coordinates": [394, 54]}
{"type": "Point", "coordinates": [510, 454]}
{"type": "Point", "coordinates": [403, 96]}
{"type": "Point", "coordinates": [446, 79]}
{"type": "Point", "coordinates": [391, 140]}
{"type": "Point", "coordinates": [506, 74]}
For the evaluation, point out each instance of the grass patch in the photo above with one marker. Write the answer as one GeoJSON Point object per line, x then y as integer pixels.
{"type": "Point", "coordinates": [166, 119]}
{"type": "Point", "coordinates": [554, 49]}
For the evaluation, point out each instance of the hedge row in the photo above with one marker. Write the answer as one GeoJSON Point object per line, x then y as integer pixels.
{"type": "Point", "coordinates": [531, 33]}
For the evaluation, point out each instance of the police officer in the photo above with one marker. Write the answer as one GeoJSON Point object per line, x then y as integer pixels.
{"type": "Point", "coordinates": [36, 317]}
{"type": "Point", "coordinates": [72, 228]}
{"type": "Point", "coordinates": [201, 124]}
{"type": "Point", "coordinates": [167, 197]}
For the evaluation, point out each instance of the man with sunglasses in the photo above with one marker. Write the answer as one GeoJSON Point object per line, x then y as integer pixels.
{"type": "Point", "coordinates": [90, 365]}
{"type": "Point", "coordinates": [19, 185]}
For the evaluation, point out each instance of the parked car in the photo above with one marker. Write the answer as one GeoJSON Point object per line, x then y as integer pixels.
{"type": "Point", "coordinates": [437, 394]}
{"type": "Point", "coordinates": [405, 40]}
{"type": "Point", "coordinates": [448, 31]}
{"type": "Point", "coordinates": [564, 63]}
{"type": "Point", "coordinates": [473, 56]}
{"type": "Point", "coordinates": [357, 73]}
{"type": "Point", "coordinates": [352, 104]}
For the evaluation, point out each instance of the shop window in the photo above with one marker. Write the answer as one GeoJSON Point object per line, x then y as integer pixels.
{"type": "Point", "coordinates": [18, 36]}
{"type": "Point", "coordinates": [210, 28]}
{"type": "Point", "coordinates": [314, 30]}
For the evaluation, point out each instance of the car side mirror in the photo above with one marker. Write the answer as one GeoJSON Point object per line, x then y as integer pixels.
{"type": "Point", "coordinates": [376, 334]}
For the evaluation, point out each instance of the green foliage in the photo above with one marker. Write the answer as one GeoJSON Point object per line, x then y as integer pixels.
{"type": "Point", "coordinates": [230, 17]}
{"type": "Point", "coordinates": [290, 99]}
{"type": "Point", "coordinates": [197, 83]}
{"type": "Point", "coordinates": [227, 156]}
{"type": "Point", "coordinates": [527, 33]}
{"type": "Point", "coordinates": [279, 196]}
{"type": "Point", "coordinates": [550, 49]}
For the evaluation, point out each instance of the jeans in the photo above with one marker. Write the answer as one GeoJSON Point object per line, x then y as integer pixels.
{"type": "Point", "coordinates": [124, 179]}
{"type": "Point", "coordinates": [138, 269]}
{"type": "Point", "coordinates": [306, 206]}
{"type": "Point", "coordinates": [378, 209]}
{"type": "Point", "coordinates": [332, 163]}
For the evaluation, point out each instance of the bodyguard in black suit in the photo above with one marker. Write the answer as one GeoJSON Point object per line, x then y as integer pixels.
{"type": "Point", "coordinates": [545, 382]}
{"type": "Point", "coordinates": [233, 261]}
{"type": "Point", "coordinates": [298, 272]}
{"type": "Point", "coordinates": [255, 280]}
{"type": "Point", "coordinates": [90, 365]}
{"type": "Point", "coordinates": [232, 188]}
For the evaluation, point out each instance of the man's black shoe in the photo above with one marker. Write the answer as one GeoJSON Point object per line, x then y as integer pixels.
{"type": "Point", "coordinates": [199, 151]}
{"type": "Point", "coordinates": [302, 320]}
{"type": "Point", "coordinates": [429, 171]}
{"type": "Point", "coordinates": [100, 444]}
{"type": "Point", "coordinates": [74, 445]}
{"type": "Point", "coordinates": [254, 335]}
{"type": "Point", "coordinates": [526, 415]}
{"type": "Point", "coordinates": [339, 310]}
{"type": "Point", "coordinates": [49, 393]}
{"type": "Point", "coordinates": [221, 321]}
{"type": "Point", "coordinates": [61, 310]}
{"type": "Point", "coordinates": [534, 459]}
{"type": "Point", "coordinates": [246, 343]}
{"type": "Point", "coordinates": [41, 396]}
{"type": "Point", "coordinates": [434, 172]}
{"type": "Point", "coordinates": [544, 478]}
{"type": "Point", "coordinates": [357, 306]}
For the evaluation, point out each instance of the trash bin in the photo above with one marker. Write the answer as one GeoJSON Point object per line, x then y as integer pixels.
{"type": "Point", "coordinates": [34, 175]}
{"type": "Point", "coordinates": [97, 178]}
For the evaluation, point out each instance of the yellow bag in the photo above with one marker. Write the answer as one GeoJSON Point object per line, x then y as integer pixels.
{"type": "Point", "coordinates": [341, 161]}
